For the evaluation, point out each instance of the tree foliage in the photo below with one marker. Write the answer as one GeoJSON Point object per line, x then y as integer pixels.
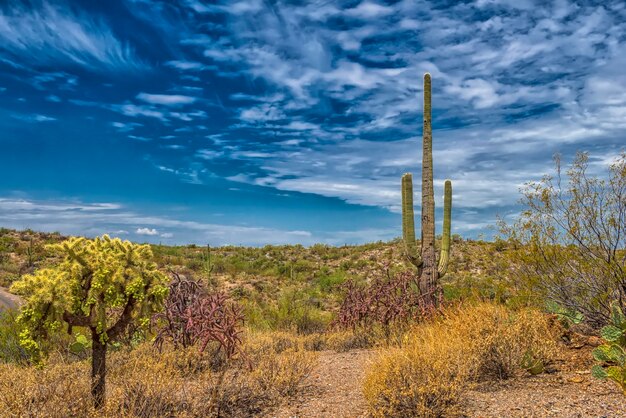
{"type": "Point", "coordinates": [570, 241]}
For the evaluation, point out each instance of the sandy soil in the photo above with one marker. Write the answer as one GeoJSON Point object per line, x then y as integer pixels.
{"type": "Point", "coordinates": [334, 390]}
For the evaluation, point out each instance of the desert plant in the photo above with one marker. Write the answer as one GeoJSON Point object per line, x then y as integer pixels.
{"type": "Point", "coordinates": [215, 318]}
{"type": "Point", "coordinates": [10, 349]}
{"type": "Point", "coordinates": [193, 315]}
{"type": "Point", "coordinates": [425, 261]}
{"type": "Point", "coordinates": [386, 300]}
{"type": "Point", "coordinates": [101, 284]}
{"type": "Point", "coordinates": [612, 355]}
{"type": "Point", "coordinates": [440, 357]}
{"type": "Point", "coordinates": [144, 382]}
{"type": "Point", "coordinates": [172, 321]}
{"type": "Point", "coordinates": [569, 244]}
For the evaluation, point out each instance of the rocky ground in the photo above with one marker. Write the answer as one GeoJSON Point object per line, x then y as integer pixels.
{"type": "Point", "coordinates": [8, 300]}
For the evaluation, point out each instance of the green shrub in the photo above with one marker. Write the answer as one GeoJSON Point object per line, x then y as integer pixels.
{"type": "Point", "coordinates": [10, 349]}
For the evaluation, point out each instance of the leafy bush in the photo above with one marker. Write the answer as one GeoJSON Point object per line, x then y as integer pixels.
{"type": "Point", "coordinates": [612, 355]}
{"type": "Point", "coordinates": [569, 244]}
{"type": "Point", "coordinates": [438, 359]}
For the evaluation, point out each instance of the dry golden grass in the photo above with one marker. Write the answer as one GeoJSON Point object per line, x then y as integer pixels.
{"type": "Point", "coordinates": [437, 360]}
{"type": "Point", "coordinates": [146, 383]}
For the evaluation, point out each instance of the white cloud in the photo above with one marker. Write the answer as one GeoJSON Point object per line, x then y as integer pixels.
{"type": "Point", "coordinates": [54, 34]}
{"type": "Point", "coordinates": [367, 10]}
{"type": "Point", "coordinates": [99, 218]}
{"type": "Point", "coordinates": [34, 118]}
{"type": "Point", "coordinates": [185, 65]}
{"type": "Point", "coordinates": [147, 231]}
{"type": "Point", "coordinates": [166, 99]}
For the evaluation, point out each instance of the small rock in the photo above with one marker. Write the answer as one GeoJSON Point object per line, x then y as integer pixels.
{"type": "Point", "coordinates": [594, 341]}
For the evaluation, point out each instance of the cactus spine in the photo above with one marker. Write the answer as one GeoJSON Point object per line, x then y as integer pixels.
{"type": "Point", "coordinates": [426, 260]}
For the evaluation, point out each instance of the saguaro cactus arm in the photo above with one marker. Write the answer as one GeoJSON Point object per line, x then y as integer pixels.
{"type": "Point", "coordinates": [445, 237]}
{"type": "Point", "coordinates": [408, 221]}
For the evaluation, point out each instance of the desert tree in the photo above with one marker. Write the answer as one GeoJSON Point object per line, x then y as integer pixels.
{"type": "Point", "coordinates": [101, 284]}
{"type": "Point", "coordinates": [569, 243]}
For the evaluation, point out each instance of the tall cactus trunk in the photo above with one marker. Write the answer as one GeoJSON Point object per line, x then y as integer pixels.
{"type": "Point", "coordinates": [428, 270]}
{"type": "Point", "coordinates": [428, 278]}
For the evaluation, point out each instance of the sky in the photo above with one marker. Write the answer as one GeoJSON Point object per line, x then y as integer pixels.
{"type": "Point", "coordinates": [272, 122]}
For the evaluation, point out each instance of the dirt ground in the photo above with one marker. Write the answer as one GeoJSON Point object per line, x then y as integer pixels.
{"type": "Point", "coordinates": [569, 391]}
{"type": "Point", "coordinates": [333, 389]}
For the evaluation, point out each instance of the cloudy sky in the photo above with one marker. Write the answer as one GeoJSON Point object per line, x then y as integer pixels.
{"type": "Point", "coordinates": [265, 121]}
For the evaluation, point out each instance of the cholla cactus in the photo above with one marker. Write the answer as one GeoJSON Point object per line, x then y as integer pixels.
{"type": "Point", "coordinates": [426, 260]}
{"type": "Point", "coordinates": [102, 285]}
{"type": "Point", "coordinates": [612, 355]}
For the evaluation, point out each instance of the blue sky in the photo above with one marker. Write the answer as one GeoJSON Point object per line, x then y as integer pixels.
{"type": "Point", "coordinates": [266, 122]}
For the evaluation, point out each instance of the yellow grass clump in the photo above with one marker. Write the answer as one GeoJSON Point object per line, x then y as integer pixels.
{"type": "Point", "coordinates": [426, 376]}
{"type": "Point", "coordinates": [145, 383]}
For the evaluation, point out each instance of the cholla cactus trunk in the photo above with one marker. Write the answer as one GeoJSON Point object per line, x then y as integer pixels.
{"type": "Point", "coordinates": [425, 260]}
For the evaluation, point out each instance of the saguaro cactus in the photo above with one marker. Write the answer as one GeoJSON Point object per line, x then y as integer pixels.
{"type": "Point", "coordinates": [426, 260]}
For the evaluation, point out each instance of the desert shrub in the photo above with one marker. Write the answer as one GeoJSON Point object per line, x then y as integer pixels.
{"type": "Point", "coordinates": [346, 340]}
{"type": "Point", "coordinates": [11, 350]}
{"type": "Point", "coordinates": [387, 300]}
{"type": "Point", "coordinates": [58, 391]}
{"type": "Point", "coordinates": [296, 310]}
{"type": "Point", "coordinates": [183, 294]}
{"type": "Point", "coordinates": [329, 282]}
{"type": "Point", "coordinates": [421, 379]}
{"type": "Point", "coordinates": [439, 358]}
{"type": "Point", "coordinates": [283, 372]}
{"type": "Point", "coordinates": [145, 382]}
{"type": "Point", "coordinates": [502, 340]}
{"type": "Point", "coordinates": [569, 244]}
{"type": "Point", "coordinates": [193, 315]}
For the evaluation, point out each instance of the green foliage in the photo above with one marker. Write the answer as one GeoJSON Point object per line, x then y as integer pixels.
{"type": "Point", "coordinates": [80, 344]}
{"type": "Point", "coordinates": [611, 356]}
{"type": "Point", "coordinates": [105, 285]}
{"type": "Point", "coordinates": [330, 282]}
{"type": "Point", "coordinates": [565, 316]}
{"type": "Point", "coordinates": [10, 349]}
